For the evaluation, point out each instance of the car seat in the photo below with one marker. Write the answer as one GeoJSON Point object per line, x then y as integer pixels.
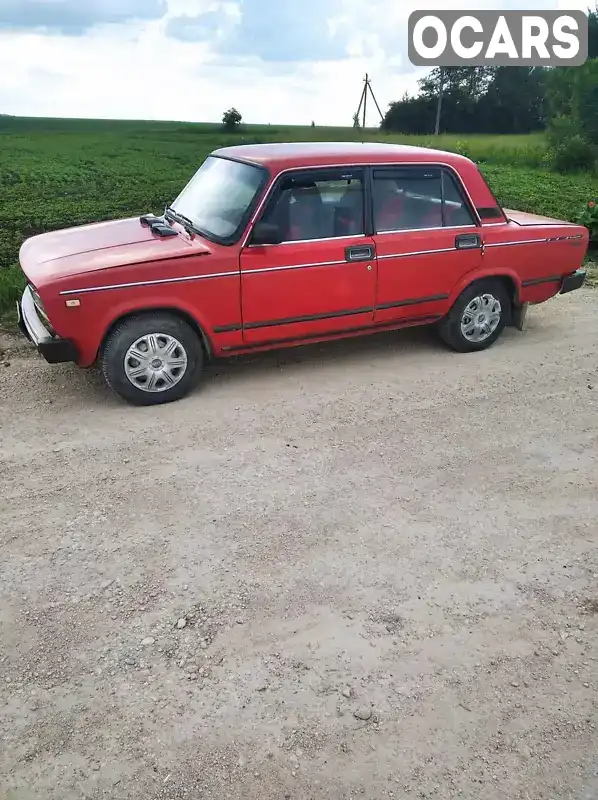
{"type": "Point", "coordinates": [389, 207]}
{"type": "Point", "coordinates": [305, 213]}
{"type": "Point", "coordinates": [348, 215]}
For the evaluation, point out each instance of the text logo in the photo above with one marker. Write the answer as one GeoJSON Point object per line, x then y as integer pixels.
{"type": "Point", "coordinates": [498, 39]}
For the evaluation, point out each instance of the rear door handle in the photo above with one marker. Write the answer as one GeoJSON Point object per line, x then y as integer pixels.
{"type": "Point", "coordinates": [468, 241]}
{"type": "Point", "coordinates": [360, 252]}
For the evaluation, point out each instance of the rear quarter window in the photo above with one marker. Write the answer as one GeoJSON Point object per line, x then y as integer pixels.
{"type": "Point", "coordinates": [492, 212]}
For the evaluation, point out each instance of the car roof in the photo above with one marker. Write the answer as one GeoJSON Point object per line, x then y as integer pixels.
{"type": "Point", "coordinates": [284, 155]}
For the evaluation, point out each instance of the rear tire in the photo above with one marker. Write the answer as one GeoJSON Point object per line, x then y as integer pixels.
{"type": "Point", "coordinates": [152, 358]}
{"type": "Point", "coordinates": [477, 318]}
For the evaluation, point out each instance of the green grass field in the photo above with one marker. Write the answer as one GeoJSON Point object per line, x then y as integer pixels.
{"type": "Point", "coordinates": [55, 173]}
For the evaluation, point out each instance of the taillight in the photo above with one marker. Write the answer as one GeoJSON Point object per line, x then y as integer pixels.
{"type": "Point", "coordinates": [40, 306]}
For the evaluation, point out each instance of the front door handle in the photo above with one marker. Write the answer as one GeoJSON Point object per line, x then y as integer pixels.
{"type": "Point", "coordinates": [360, 252]}
{"type": "Point", "coordinates": [468, 241]}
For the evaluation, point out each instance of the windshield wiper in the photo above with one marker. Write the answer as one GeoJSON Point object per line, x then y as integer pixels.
{"type": "Point", "coordinates": [187, 223]}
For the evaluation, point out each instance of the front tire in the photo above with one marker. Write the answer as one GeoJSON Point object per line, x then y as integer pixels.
{"type": "Point", "coordinates": [477, 318]}
{"type": "Point", "coordinates": [152, 358]}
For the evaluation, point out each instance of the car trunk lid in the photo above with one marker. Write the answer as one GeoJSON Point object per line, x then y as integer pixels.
{"type": "Point", "coordinates": [527, 219]}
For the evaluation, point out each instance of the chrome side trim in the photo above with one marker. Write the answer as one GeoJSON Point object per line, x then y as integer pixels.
{"type": "Point", "coordinates": [294, 266]}
{"type": "Point", "coordinates": [234, 273]}
{"type": "Point", "coordinates": [364, 236]}
{"type": "Point", "coordinates": [35, 327]}
{"type": "Point", "coordinates": [308, 241]}
{"type": "Point", "coordinates": [418, 253]}
{"type": "Point", "coordinates": [512, 244]}
{"type": "Point", "coordinates": [237, 273]}
{"type": "Point", "coordinates": [426, 230]}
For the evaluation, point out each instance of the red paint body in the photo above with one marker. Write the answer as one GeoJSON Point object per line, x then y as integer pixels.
{"type": "Point", "coordinates": [416, 274]}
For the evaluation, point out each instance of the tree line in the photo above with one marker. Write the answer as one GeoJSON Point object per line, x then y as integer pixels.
{"type": "Point", "coordinates": [502, 99]}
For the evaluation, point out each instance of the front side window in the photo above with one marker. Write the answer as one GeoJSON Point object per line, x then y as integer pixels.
{"type": "Point", "coordinates": [317, 206]}
{"type": "Point", "coordinates": [416, 198]}
{"type": "Point", "coordinates": [219, 197]}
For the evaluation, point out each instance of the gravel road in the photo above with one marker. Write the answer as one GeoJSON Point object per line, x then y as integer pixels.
{"type": "Point", "coordinates": [364, 569]}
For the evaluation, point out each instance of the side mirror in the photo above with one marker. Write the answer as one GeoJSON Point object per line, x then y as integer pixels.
{"type": "Point", "coordinates": [266, 233]}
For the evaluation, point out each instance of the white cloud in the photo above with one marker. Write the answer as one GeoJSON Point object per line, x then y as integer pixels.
{"type": "Point", "coordinates": [134, 70]}
{"type": "Point", "coordinates": [73, 17]}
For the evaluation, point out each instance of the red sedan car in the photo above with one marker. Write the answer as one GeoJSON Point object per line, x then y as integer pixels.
{"type": "Point", "coordinates": [282, 244]}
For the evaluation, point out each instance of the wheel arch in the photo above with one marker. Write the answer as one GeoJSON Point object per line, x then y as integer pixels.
{"type": "Point", "coordinates": [166, 309]}
{"type": "Point", "coordinates": [508, 278]}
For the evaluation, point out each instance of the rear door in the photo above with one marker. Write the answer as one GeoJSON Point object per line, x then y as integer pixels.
{"type": "Point", "coordinates": [427, 238]}
{"type": "Point", "coordinates": [322, 278]}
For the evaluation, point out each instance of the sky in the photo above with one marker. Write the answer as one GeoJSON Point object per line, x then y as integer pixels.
{"type": "Point", "coordinates": [276, 61]}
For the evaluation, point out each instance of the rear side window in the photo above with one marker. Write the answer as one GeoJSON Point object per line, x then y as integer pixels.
{"type": "Point", "coordinates": [416, 198]}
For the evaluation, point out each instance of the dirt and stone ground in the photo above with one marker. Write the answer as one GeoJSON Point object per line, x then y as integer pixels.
{"type": "Point", "coordinates": [365, 569]}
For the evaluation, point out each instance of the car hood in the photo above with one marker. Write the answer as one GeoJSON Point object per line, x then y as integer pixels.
{"type": "Point", "coordinates": [100, 246]}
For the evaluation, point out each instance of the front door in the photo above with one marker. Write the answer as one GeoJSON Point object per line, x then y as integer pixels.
{"type": "Point", "coordinates": [321, 279]}
{"type": "Point", "coordinates": [426, 239]}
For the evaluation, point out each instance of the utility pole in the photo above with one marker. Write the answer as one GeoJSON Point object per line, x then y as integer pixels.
{"type": "Point", "coordinates": [367, 87]}
{"type": "Point", "coordinates": [439, 104]}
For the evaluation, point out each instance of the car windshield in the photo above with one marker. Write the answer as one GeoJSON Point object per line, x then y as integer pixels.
{"type": "Point", "coordinates": [218, 196]}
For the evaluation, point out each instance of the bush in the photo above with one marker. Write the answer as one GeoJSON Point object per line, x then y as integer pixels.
{"type": "Point", "coordinates": [586, 99]}
{"type": "Point", "coordinates": [12, 283]}
{"type": "Point", "coordinates": [462, 149]}
{"type": "Point", "coordinates": [574, 154]}
{"type": "Point", "coordinates": [570, 150]}
{"type": "Point", "coordinates": [589, 218]}
{"type": "Point", "coordinates": [560, 129]}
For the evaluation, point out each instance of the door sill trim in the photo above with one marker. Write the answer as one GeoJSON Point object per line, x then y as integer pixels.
{"type": "Point", "coordinates": [373, 328]}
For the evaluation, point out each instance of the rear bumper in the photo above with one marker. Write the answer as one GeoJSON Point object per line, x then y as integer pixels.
{"type": "Point", "coordinates": [54, 349]}
{"type": "Point", "coordinates": [574, 281]}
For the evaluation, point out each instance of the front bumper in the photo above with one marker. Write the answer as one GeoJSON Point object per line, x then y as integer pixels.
{"type": "Point", "coordinates": [54, 349]}
{"type": "Point", "coordinates": [574, 281]}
